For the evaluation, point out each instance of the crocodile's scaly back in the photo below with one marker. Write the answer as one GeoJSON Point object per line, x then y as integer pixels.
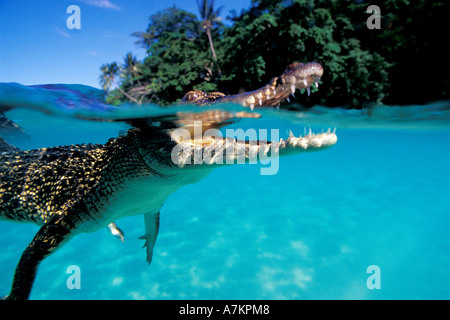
{"type": "Point", "coordinates": [77, 179]}
{"type": "Point", "coordinates": [66, 190]}
{"type": "Point", "coordinates": [38, 183]}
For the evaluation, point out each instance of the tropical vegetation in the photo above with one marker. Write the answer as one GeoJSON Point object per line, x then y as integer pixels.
{"type": "Point", "coordinates": [403, 62]}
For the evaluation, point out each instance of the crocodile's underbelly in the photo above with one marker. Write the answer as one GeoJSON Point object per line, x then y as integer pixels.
{"type": "Point", "coordinates": [135, 197]}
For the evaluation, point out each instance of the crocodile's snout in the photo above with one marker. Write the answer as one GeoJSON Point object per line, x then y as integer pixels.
{"type": "Point", "coordinates": [296, 76]}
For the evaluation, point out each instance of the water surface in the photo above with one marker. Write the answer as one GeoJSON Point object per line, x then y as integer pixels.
{"type": "Point", "coordinates": [379, 197]}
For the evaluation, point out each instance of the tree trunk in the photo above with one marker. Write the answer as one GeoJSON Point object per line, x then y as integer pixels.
{"type": "Point", "coordinates": [208, 33]}
{"type": "Point", "coordinates": [123, 92]}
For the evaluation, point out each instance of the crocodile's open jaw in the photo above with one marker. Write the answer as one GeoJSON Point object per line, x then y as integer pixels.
{"type": "Point", "coordinates": [214, 149]}
{"type": "Point", "coordinates": [296, 76]}
{"type": "Point", "coordinates": [194, 143]}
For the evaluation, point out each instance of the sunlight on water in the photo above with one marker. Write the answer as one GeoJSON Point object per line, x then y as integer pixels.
{"type": "Point", "coordinates": [379, 197]}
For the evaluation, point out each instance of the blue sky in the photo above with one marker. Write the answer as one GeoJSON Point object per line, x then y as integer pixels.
{"type": "Point", "coordinates": [36, 46]}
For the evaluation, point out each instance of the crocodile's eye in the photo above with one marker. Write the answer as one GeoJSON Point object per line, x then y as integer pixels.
{"type": "Point", "coordinates": [192, 96]}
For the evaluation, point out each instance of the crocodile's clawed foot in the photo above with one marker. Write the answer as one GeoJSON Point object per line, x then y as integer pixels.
{"type": "Point", "coordinates": [148, 247]}
{"type": "Point", "coordinates": [116, 231]}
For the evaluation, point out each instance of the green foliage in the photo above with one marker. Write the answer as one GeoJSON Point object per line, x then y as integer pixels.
{"type": "Point", "coordinates": [403, 62]}
{"type": "Point", "coordinates": [413, 38]}
{"type": "Point", "coordinates": [178, 57]}
{"type": "Point", "coordinates": [273, 34]}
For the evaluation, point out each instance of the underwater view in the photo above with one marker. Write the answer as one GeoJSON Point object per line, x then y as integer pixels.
{"type": "Point", "coordinates": [366, 217]}
{"type": "Point", "coordinates": [310, 231]}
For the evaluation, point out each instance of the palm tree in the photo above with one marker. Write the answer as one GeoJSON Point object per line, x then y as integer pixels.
{"type": "Point", "coordinates": [209, 16]}
{"type": "Point", "coordinates": [130, 67]}
{"type": "Point", "coordinates": [109, 72]}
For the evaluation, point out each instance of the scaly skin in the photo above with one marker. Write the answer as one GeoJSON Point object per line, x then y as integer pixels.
{"type": "Point", "coordinates": [296, 76]}
{"type": "Point", "coordinates": [83, 188]}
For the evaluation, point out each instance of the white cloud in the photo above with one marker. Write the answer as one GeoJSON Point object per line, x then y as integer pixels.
{"type": "Point", "coordinates": [106, 4]}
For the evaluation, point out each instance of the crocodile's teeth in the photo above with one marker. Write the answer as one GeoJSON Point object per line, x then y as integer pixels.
{"type": "Point", "coordinates": [288, 99]}
{"type": "Point", "coordinates": [260, 101]}
{"type": "Point", "coordinates": [293, 88]}
{"type": "Point", "coordinates": [309, 91]}
{"type": "Point", "coordinates": [267, 149]}
{"type": "Point", "coordinates": [250, 100]}
{"type": "Point", "coordinates": [294, 142]}
{"type": "Point", "coordinates": [267, 96]}
{"type": "Point", "coordinates": [317, 84]}
{"type": "Point", "coordinates": [305, 82]}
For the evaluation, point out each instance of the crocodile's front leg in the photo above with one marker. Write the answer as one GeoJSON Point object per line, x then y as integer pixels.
{"type": "Point", "coordinates": [116, 231]}
{"type": "Point", "coordinates": [151, 221]}
{"type": "Point", "coordinates": [50, 237]}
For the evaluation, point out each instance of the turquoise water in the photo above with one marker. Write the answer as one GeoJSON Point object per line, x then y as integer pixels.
{"type": "Point", "coordinates": [379, 197]}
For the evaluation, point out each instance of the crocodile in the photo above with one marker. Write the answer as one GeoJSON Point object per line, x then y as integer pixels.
{"type": "Point", "coordinates": [71, 189]}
